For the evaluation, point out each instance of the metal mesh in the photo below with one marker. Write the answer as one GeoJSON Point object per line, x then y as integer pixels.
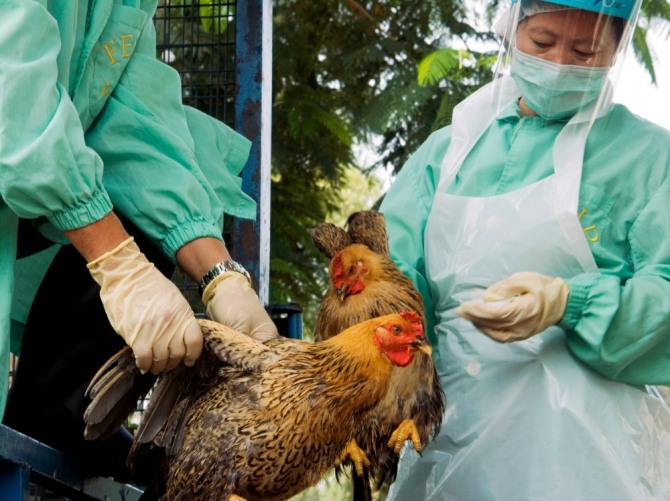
{"type": "Point", "coordinates": [197, 38]}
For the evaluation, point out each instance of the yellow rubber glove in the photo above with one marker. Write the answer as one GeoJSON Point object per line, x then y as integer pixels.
{"type": "Point", "coordinates": [518, 307]}
{"type": "Point", "coordinates": [146, 309]}
{"type": "Point", "coordinates": [231, 300]}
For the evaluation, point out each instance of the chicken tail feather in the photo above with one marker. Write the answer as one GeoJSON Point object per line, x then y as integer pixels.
{"type": "Point", "coordinates": [160, 407]}
{"type": "Point", "coordinates": [115, 390]}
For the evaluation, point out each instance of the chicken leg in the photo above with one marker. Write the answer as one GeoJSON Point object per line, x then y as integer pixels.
{"type": "Point", "coordinates": [405, 431]}
{"type": "Point", "coordinates": [356, 455]}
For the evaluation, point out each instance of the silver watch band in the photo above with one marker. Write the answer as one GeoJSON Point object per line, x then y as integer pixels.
{"type": "Point", "coordinates": [219, 269]}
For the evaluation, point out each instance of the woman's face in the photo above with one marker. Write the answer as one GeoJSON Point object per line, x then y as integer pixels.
{"type": "Point", "coordinates": [571, 36]}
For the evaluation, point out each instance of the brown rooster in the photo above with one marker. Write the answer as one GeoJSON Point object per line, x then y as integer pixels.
{"type": "Point", "coordinates": [251, 420]}
{"type": "Point", "coordinates": [365, 283]}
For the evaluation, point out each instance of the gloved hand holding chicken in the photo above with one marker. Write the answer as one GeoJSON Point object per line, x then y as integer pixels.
{"type": "Point", "coordinates": [518, 307]}
{"type": "Point", "coordinates": [230, 300]}
{"type": "Point", "coordinates": [146, 309]}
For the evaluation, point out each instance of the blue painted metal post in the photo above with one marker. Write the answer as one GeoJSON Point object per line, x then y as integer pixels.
{"type": "Point", "coordinates": [287, 318]}
{"type": "Point", "coordinates": [251, 239]}
{"type": "Point", "coordinates": [14, 481]}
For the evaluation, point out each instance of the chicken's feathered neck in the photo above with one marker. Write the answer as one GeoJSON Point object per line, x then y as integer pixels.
{"type": "Point", "coordinates": [353, 358]}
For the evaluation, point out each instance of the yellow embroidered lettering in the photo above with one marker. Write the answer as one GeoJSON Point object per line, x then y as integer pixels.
{"type": "Point", "coordinates": [105, 90]}
{"type": "Point", "coordinates": [110, 50]}
{"type": "Point", "coordinates": [126, 43]}
{"type": "Point", "coordinates": [591, 233]}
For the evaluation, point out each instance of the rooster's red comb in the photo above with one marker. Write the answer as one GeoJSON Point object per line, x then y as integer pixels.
{"type": "Point", "coordinates": [415, 319]}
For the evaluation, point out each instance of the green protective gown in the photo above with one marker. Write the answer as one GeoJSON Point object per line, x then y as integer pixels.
{"type": "Point", "coordinates": [90, 121]}
{"type": "Point", "coordinates": [523, 417]}
{"type": "Point", "coordinates": [618, 321]}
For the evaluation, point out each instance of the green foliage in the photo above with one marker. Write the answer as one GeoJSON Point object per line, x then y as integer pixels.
{"type": "Point", "coordinates": [329, 488]}
{"type": "Point", "coordinates": [332, 488]}
{"type": "Point", "coordinates": [215, 16]}
{"type": "Point", "coordinates": [344, 72]}
{"type": "Point", "coordinates": [642, 51]}
{"type": "Point", "coordinates": [197, 39]}
{"type": "Point", "coordinates": [439, 63]}
{"type": "Point", "coordinates": [656, 9]}
{"type": "Point", "coordinates": [652, 11]}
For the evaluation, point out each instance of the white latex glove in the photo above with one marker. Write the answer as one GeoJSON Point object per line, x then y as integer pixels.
{"type": "Point", "coordinates": [231, 300]}
{"type": "Point", "coordinates": [518, 307]}
{"type": "Point", "coordinates": [146, 309]}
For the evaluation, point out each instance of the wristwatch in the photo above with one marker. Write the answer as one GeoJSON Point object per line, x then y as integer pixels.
{"type": "Point", "coordinates": [219, 269]}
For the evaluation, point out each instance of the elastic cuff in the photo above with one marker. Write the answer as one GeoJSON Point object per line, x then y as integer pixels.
{"type": "Point", "coordinates": [84, 214]}
{"type": "Point", "coordinates": [575, 305]}
{"type": "Point", "coordinates": [187, 231]}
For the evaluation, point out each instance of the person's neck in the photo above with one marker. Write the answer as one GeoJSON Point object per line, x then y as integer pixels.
{"type": "Point", "coordinates": [524, 109]}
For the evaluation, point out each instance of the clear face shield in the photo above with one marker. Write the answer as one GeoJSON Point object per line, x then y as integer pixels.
{"type": "Point", "coordinates": [565, 56]}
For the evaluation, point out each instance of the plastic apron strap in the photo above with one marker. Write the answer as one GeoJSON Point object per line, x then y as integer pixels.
{"type": "Point", "coordinates": [569, 149]}
{"type": "Point", "coordinates": [470, 119]}
{"type": "Point", "coordinates": [568, 154]}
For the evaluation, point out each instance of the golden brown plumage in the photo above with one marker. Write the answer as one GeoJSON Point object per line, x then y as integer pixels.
{"type": "Point", "coordinates": [265, 421]}
{"type": "Point", "coordinates": [366, 283]}
{"type": "Point", "coordinates": [363, 285]}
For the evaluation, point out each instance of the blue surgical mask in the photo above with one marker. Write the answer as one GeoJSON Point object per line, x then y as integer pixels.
{"type": "Point", "coordinates": [556, 91]}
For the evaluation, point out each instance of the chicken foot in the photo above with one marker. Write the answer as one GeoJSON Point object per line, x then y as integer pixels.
{"type": "Point", "coordinates": [405, 431]}
{"type": "Point", "coordinates": [356, 455]}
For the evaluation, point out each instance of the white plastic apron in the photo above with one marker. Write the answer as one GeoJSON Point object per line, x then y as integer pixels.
{"type": "Point", "coordinates": [524, 421]}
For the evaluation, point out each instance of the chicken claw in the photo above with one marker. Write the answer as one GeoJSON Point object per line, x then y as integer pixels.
{"type": "Point", "coordinates": [356, 455]}
{"type": "Point", "coordinates": [405, 431]}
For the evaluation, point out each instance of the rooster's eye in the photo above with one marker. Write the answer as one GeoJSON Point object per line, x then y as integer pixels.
{"type": "Point", "coordinates": [396, 330]}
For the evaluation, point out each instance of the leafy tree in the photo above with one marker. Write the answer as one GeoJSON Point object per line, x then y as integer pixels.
{"type": "Point", "coordinates": [652, 12]}
{"type": "Point", "coordinates": [344, 72]}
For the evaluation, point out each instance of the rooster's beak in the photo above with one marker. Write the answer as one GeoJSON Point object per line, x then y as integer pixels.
{"type": "Point", "coordinates": [423, 345]}
{"type": "Point", "coordinates": [342, 292]}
